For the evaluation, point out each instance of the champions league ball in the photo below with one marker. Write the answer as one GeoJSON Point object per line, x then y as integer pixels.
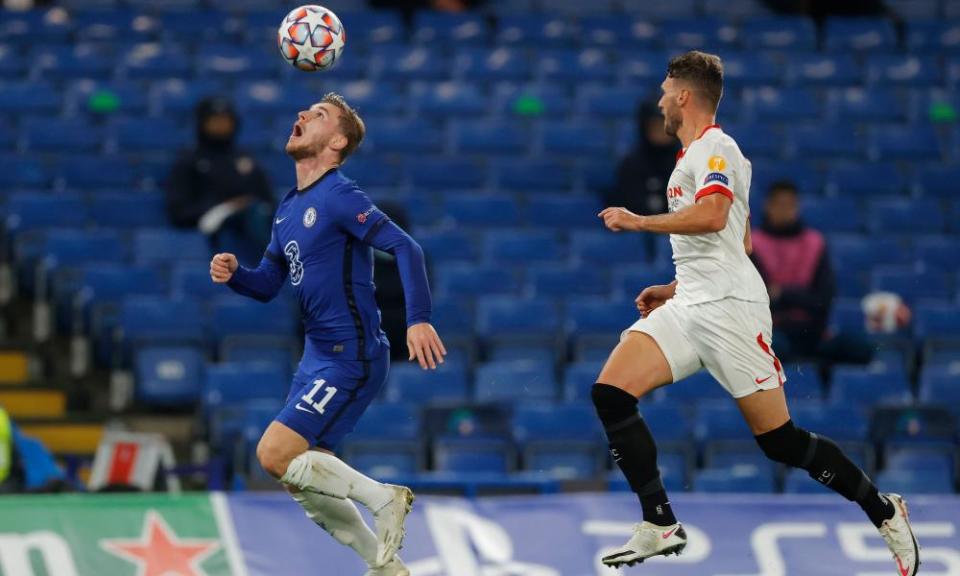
{"type": "Point", "coordinates": [311, 38]}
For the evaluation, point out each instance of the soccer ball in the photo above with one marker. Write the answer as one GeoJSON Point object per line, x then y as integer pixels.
{"type": "Point", "coordinates": [311, 38]}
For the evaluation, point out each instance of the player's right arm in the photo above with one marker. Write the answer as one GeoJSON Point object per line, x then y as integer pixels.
{"type": "Point", "coordinates": [262, 283]}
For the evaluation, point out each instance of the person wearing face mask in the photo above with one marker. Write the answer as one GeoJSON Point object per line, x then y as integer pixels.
{"type": "Point", "coordinates": [218, 189]}
{"type": "Point", "coordinates": [642, 175]}
{"type": "Point", "coordinates": [794, 262]}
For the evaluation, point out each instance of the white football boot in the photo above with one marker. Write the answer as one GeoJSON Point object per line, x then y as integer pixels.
{"type": "Point", "coordinates": [648, 540]}
{"type": "Point", "coordinates": [389, 523]}
{"type": "Point", "coordinates": [393, 568]}
{"type": "Point", "coordinates": [899, 537]}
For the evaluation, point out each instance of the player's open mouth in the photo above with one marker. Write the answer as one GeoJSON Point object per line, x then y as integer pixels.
{"type": "Point", "coordinates": [297, 131]}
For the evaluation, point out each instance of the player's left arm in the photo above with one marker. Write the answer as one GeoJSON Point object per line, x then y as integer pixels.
{"type": "Point", "coordinates": [359, 217]}
{"type": "Point", "coordinates": [709, 214]}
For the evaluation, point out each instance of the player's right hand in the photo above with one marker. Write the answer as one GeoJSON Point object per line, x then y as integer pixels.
{"type": "Point", "coordinates": [222, 267]}
{"type": "Point", "coordinates": [653, 297]}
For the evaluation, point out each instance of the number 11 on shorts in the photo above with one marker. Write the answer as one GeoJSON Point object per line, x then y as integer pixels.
{"type": "Point", "coordinates": [328, 395]}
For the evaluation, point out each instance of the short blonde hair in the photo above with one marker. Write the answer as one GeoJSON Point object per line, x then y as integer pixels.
{"type": "Point", "coordinates": [351, 124]}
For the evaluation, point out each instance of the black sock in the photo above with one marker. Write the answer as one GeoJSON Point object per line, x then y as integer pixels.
{"type": "Point", "coordinates": [877, 507]}
{"type": "Point", "coordinates": [634, 451]}
{"type": "Point", "coordinates": [657, 510]}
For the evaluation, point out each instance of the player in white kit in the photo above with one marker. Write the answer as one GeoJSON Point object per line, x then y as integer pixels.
{"type": "Point", "coordinates": [714, 315]}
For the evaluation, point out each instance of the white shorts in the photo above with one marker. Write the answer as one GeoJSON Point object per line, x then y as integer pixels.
{"type": "Point", "coordinates": [730, 338]}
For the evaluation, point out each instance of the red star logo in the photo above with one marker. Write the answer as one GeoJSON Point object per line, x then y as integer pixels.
{"type": "Point", "coordinates": [159, 552]}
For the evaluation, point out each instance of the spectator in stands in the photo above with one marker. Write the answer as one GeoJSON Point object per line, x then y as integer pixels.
{"type": "Point", "coordinates": [220, 190]}
{"type": "Point", "coordinates": [795, 265]}
{"type": "Point", "coordinates": [641, 185]}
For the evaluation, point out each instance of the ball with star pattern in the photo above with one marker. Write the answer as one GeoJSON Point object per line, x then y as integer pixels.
{"type": "Point", "coordinates": [311, 38]}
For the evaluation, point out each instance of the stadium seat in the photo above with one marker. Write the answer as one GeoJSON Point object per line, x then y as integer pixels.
{"type": "Point", "coordinates": [867, 106]}
{"type": "Point", "coordinates": [612, 30]}
{"type": "Point", "coordinates": [500, 63]}
{"type": "Point", "coordinates": [935, 180]}
{"type": "Point", "coordinates": [155, 61]}
{"type": "Point", "coordinates": [841, 422]}
{"type": "Point", "coordinates": [831, 215]}
{"type": "Point", "coordinates": [233, 62]}
{"type": "Point", "coordinates": [619, 103]}
{"type": "Point", "coordinates": [374, 98]}
{"type": "Point", "coordinates": [159, 320]}
{"type": "Point", "coordinates": [859, 181]}
{"type": "Point", "coordinates": [276, 351]}
{"type": "Point", "coordinates": [756, 140]}
{"type": "Point", "coordinates": [600, 315]}
{"type": "Point", "coordinates": [179, 97]}
{"type": "Point", "coordinates": [824, 70]}
{"type": "Point", "coordinates": [473, 455]}
{"type": "Point", "coordinates": [920, 459]}
{"type": "Point", "coordinates": [799, 481]}
{"type": "Point", "coordinates": [401, 136]}
{"type": "Point", "coordinates": [629, 283]}
{"type": "Point", "coordinates": [34, 98]}
{"type": "Point", "coordinates": [784, 34]}
{"type": "Point", "coordinates": [472, 280]}
{"type": "Point", "coordinates": [720, 420]}
{"type": "Point", "coordinates": [453, 173]}
{"type": "Point", "coordinates": [129, 210]}
{"type": "Point", "coordinates": [532, 100]}
{"type": "Point", "coordinates": [53, 135]}
{"type": "Point", "coordinates": [534, 30]}
{"type": "Point", "coordinates": [699, 386]}
{"type": "Point", "coordinates": [515, 381]}
{"type": "Point", "coordinates": [804, 380]}
{"type": "Point", "coordinates": [506, 317]}
{"type": "Point", "coordinates": [149, 135]}
{"type": "Point", "coordinates": [562, 211]}
{"type": "Point", "coordinates": [578, 378]}
{"type": "Point", "coordinates": [596, 247]}
{"type": "Point", "coordinates": [747, 69]}
{"type": "Point", "coordinates": [103, 98]}
{"type": "Point", "coordinates": [914, 482]}
{"type": "Point", "coordinates": [161, 246]}
{"type": "Point", "coordinates": [231, 316]}
{"type": "Point", "coordinates": [13, 65]}
{"type": "Point", "coordinates": [490, 137]}
{"type": "Point", "coordinates": [263, 97]}
{"type": "Point", "coordinates": [911, 283]}
{"type": "Point", "coordinates": [932, 36]}
{"type": "Point", "coordinates": [934, 320]}
{"type": "Point", "coordinates": [859, 35]}
{"type": "Point", "coordinates": [639, 67]}
{"type": "Point", "coordinates": [448, 245]}
{"type": "Point", "coordinates": [523, 247]}
{"type": "Point", "coordinates": [237, 383]}
{"type": "Point", "coordinates": [827, 142]}
{"type": "Point", "coordinates": [575, 65]}
{"type": "Point", "coordinates": [737, 456]}
{"type": "Point", "coordinates": [376, 27]}
{"type": "Point", "coordinates": [100, 284]}
{"type": "Point", "coordinates": [553, 280]}
{"type": "Point", "coordinates": [904, 70]}
{"type": "Point", "coordinates": [448, 99]}
{"type": "Point", "coordinates": [888, 143]}
{"type": "Point", "coordinates": [83, 60]}
{"type": "Point", "coordinates": [564, 441]}
{"type": "Point", "coordinates": [406, 63]}
{"type": "Point", "coordinates": [575, 139]}
{"type": "Point", "coordinates": [92, 172]}
{"type": "Point", "coordinates": [448, 384]}
{"type": "Point", "coordinates": [485, 211]}
{"type": "Point", "coordinates": [735, 480]}
{"type": "Point", "coordinates": [192, 279]}
{"type": "Point", "coordinates": [372, 171]}
{"type": "Point", "coordinates": [865, 388]}
{"type": "Point", "coordinates": [168, 375]}
{"type": "Point", "coordinates": [31, 210]}
{"type": "Point", "coordinates": [782, 104]}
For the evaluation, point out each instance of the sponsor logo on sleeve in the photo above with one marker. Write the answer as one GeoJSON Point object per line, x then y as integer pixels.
{"type": "Point", "coordinates": [362, 217]}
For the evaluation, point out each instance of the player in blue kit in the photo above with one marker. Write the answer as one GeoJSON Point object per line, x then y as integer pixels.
{"type": "Point", "coordinates": [324, 233]}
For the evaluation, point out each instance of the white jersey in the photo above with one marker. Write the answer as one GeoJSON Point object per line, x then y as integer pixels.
{"type": "Point", "coordinates": [715, 265]}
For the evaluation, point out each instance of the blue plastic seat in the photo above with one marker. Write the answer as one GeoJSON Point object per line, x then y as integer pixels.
{"type": "Point", "coordinates": [76, 61]}
{"type": "Point", "coordinates": [578, 379]}
{"type": "Point", "coordinates": [693, 32]}
{"type": "Point", "coordinates": [374, 98]}
{"type": "Point", "coordinates": [375, 27]}
{"type": "Point", "coordinates": [841, 422]}
{"type": "Point", "coordinates": [500, 63]}
{"type": "Point", "coordinates": [559, 280]}
{"type": "Point", "coordinates": [935, 320]}
{"type": "Point", "coordinates": [490, 137]}
{"type": "Point", "coordinates": [515, 381]}
{"type": "Point", "coordinates": [154, 61]}
{"type": "Point", "coordinates": [534, 30]}
{"type": "Point", "coordinates": [404, 62]}
{"type": "Point", "coordinates": [699, 386]}
{"type": "Point", "coordinates": [798, 481]}
{"type": "Point", "coordinates": [836, 214]}
{"type": "Point", "coordinates": [912, 284]}
{"type": "Point", "coordinates": [122, 98]}
{"type": "Point", "coordinates": [902, 70]}
{"type": "Point", "coordinates": [619, 103]}
{"type": "Point", "coordinates": [509, 317]}
{"type": "Point", "coordinates": [473, 456]}
{"type": "Point", "coordinates": [937, 251]}
{"type": "Point", "coordinates": [577, 139]}
{"type": "Point", "coordinates": [540, 99]}
{"type": "Point", "coordinates": [867, 106]}
{"type": "Point", "coordinates": [370, 171]}
{"type": "Point", "coordinates": [158, 320]}
{"type": "Point", "coordinates": [48, 135]}
{"type": "Point", "coordinates": [32, 210]}
{"type": "Point", "coordinates": [278, 351]}
{"type": "Point", "coordinates": [932, 36]}
{"type": "Point", "coordinates": [564, 441]}
{"type": "Point", "coordinates": [128, 210]}
{"type": "Point", "coordinates": [745, 479]}
{"type": "Point", "coordinates": [88, 172]}
{"type": "Point", "coordinates": [597, 247]}
{"type": "Point", "coordinates": [859, 35]}
{"type": "Point", "coordinates": [824, 70]}
{"type": "Point", "coordinates": [938, 385]}
{"type": "Point", "coordinates": [232, 316]}
{"type": "Point", "coordinates": [168, 375]}
{"type": "Point", "coordinates": [720, 420]}
{"type": "Point", "coordinates": [638, 67]}
{"type": "Point", "coordinates": [13, 65]}
{"type": "Point", "coordinates": [803, 380]}
{"type": "Point", "coordinates": [600, 315]}
{"type": "Point", "coordinates": [29, 98]}
{"type": "Point", "coordinates": [448, 244]}
{"type": "Point", "coordinates": [149, 135]}
{"type": "Point", "coordinates": [898, 143]}
{"type": "Point", "coordinates": [570, 65]}
{"type": "Point", "coordinates": [748, 69]}
{"type": "Point", "coordinates": [237, 383]}
{"type": "Point", "coordinates": [914, 482]}
{"type": "Point", "coordinates": [229, 61]}
{"type": "Point", "coordinates": [868, 388]}
{"type": "Point", "coordinates": [936, 180]}
{"type": "Point", "coordinates": [862, 181]}
{"type": "Point", "coordinates": [264, 97]}
{"type": "Point", "coordinates": [410, 383]}
{"type": "Point", "coordinates": [192, 278]}
{"type": "Point", "coordinates": [386, 442]}
{"type": "Point", "coordinates": [736, 456]}
{"type": "Point", "coordinates": [522, 246]}
{"type": "Point", "coordinates": [903, 216]}
{"type": "Point", "coordinates": [921, 459]}
{"type": "Point", "coordinates": [449, 99]}
{"type": "Point", "coordinates": [474, 280]}
{"type": "Point", "coordinates": [483, 211]}
{"type": "Point", "coordinates": [855, 253]}
{"type": "Point", "coordinates": [532, 175]}
{"type": "Point", "coordinates": [450, 173]}
{"type": "Point", "coordinates": [629, 283]}
{"type": "Point", "coordinates": [66, 247]}
{"type": "Point", "coordinates": [406, 136]}
{"type": "Point", "coordinates": [783, 104]}
{"type": "Point", "coordinates": [177, 96]}
{"type": "Point", "coordinates": [563, 211]}
{"type": "Point", "coordinates": [613, 30]}
{"type": "Point", "coordinates": [781, 33]}
{"type": "Point", "coordinates": [158, 246]}
{"type": "Point", "coordinates": [432, 27]}
{"type": "Point", "coordinates": [827, 142]}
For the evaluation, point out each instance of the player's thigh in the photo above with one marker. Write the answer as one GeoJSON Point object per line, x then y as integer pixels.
{"type": "Point", "coordinates": [651, 353]}
{"type": "Point", "coordinates": [732, 338]}
{"type": "Point", "coordinates": [764, 410]}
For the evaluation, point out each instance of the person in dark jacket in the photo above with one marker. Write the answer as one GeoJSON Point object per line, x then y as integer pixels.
{"type": "Point", "coordinates": [794, 262]}
{"type": "Point", "coordinates": [219, 189]}
{"type": "Point", "coordinates": [641, 185]}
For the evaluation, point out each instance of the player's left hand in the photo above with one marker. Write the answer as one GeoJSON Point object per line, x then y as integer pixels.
{"type": "Point", "coordinates": [618, 219]}
{"type": "Point", "coordinates": [425, 345]}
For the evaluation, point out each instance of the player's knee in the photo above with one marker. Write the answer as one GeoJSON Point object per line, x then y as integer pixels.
{"type": "Point", "coordinates": [787, 444]}
{"type": "Point", "coordinates": [613, 405]}
{"type": "Point", "coordinates": [273, 461]}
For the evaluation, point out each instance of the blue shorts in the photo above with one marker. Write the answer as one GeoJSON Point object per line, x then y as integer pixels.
{"type": "Point", "coordinates": [324, 405]}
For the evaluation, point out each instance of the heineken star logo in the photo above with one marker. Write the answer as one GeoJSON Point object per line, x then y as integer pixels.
{"type": "Point", "coordinates": [159, 552]}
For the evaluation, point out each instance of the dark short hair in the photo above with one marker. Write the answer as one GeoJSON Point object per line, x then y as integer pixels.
{"type": "Point", "coordinates": [704, 72]}
{"type": "Point", "coordinates": [781, 187]}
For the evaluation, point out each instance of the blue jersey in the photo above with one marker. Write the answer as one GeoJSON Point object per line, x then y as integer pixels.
{"type": "Point", "coordinates": [322, 243]}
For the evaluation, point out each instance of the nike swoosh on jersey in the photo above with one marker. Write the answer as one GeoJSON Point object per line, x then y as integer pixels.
{"type": "Point", "coordinates": [279, 220]}
{"type": "Point", "coordinates": [302, 409]}
{"type": "Point", "coordinates": [759, 381]}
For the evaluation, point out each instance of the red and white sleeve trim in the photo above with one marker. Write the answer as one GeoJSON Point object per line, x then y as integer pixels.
{"type": "Point", "coordinates": [714, 189]}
